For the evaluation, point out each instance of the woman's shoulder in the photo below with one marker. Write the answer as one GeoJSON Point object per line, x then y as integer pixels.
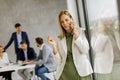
{"type": "Point", "coordinates": [5, 53]}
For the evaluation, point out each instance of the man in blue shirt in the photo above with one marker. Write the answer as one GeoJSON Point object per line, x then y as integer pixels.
{"type": "Point", "coordinates": [45, 62]}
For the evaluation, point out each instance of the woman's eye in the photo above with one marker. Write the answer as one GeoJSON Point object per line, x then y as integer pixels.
{"type": "Point", "coordinates": [66, 19]}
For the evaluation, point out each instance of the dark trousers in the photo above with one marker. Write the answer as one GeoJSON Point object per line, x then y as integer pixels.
{"type": "Point", "coordinates": [6, 75]}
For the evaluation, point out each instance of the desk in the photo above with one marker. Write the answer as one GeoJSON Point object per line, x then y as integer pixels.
{"type": "Point", "coordinates": [16, 67]}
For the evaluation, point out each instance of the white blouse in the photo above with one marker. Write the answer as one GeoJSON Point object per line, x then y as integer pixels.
{"type": "Point", "coordinates": [4, 60]}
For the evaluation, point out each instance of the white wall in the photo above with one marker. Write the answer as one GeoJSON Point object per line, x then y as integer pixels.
{"type": "Point", "coordinates": [38, 18]}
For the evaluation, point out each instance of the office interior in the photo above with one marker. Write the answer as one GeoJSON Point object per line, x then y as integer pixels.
{"type": "Point", "coordinates": [40, 18]}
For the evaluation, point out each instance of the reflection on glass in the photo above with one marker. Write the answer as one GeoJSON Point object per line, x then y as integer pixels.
{"type": "Point", "coordinates": [102, 51]}
{"type": "Point", "coordinates": [106, 10]}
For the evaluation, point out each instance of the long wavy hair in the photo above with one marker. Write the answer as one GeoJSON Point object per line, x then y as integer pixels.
{"type": "Point", "coordinates": [62, 30]}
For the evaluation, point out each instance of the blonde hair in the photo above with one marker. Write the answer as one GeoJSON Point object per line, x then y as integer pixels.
{"type": "Point", "coordinates": [1, 46]}
{"type": "Point", "coordinates": [62, 31]}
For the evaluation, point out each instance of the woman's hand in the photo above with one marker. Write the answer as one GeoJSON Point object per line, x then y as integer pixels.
{"type": "Point", "coordinates": [51, 41]}
{"type": "Point", "coordinates": [75, 29]}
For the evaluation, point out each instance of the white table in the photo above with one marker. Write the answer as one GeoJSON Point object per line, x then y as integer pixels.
{"type": "Point", "coordinates": [16, 67]}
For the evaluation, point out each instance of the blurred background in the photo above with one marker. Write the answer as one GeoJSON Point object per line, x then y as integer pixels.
{"type": "Point", "coordinates": [40, 18]}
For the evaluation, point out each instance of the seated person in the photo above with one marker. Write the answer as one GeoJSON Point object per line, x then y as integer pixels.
{"type": "Point", "coordinates": [45, 61]}
{"type": "Point", "coordinates": [4, 61]}
{"type": "Point", "coordinates": [27, 55]}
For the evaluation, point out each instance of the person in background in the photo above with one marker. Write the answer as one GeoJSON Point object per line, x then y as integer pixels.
{"type": "Point", "coordinates": [4, 61]}
{"type": "Point", "coordinates": [45, 61]}
{"type": "Point", "coordinates": [27, 55]}
{"type": "Point", "coordinates": [17, 37]}
{"type": "Point", "coordinates": [103, 52]}
{"type": "Point", "coordinates": [71, 49]}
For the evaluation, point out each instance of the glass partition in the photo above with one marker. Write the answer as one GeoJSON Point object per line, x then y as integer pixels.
{"type": "Point", "coordinates": [103, 19]}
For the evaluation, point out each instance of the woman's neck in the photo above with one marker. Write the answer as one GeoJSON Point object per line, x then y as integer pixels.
{"type": "Point", "coordinates": [1, 55]}
{"type": "Point", "coordinates": [69, 31]}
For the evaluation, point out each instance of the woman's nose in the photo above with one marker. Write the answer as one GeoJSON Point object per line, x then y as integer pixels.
{"type": "Point", "coordinates": [64, 23]}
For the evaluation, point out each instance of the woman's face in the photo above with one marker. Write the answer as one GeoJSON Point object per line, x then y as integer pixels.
{"type": "Point", "coordinates": [65, 22]}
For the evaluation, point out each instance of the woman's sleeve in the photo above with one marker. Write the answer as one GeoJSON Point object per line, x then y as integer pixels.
{"type": "Point", "coordinates": [101, 42]}
{"type": "Point", "coordinates": [82, 43]}
{"type": "Point", "coordinates": [57, 56]}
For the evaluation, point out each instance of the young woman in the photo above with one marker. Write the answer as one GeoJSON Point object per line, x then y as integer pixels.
{"type": "Point", "coordinates": [4, 61]}
{"type": "Point", "coordinates": [71, 49]}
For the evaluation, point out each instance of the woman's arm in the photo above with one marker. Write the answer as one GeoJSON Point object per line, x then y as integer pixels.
{"type": "Point", "coordinates": [82, 43]}
{"type": "Point", "coordinates": [6, 58]}
{"type": "Point", "coordinates": [55, 51]}
{"type": "Point", "coordinates": [100, 44]}
{"type": "Point", "coordinates": [53, 44]}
